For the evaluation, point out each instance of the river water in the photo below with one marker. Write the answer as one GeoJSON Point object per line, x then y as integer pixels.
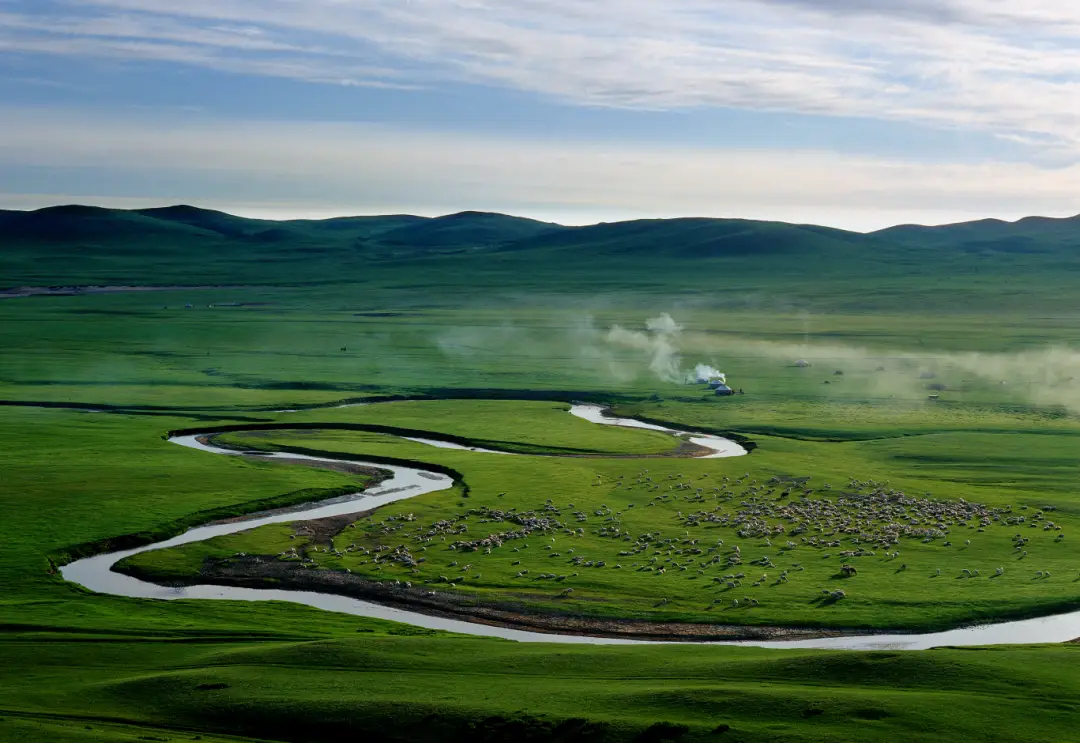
{"type": "Point", "coordinates": [96, 574]}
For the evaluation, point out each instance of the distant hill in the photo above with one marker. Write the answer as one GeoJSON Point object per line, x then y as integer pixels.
{"type": "Point", "coordinates": [468, 229]}
{"type": "Point", "coordinates": [73, 224]}
{"type": "Point", "coordinates": [188, 245]}
{"type": "Point", "coordinates": [70, 225]}
{"type": "Point", "coordinates": [359, 226]}
{"type": "Point", "coordinates": [693, 238]}
{"type": "Point", "coordinates": [223, 224]}
{"type": "Point", "coordinates": [82, 245]}
{"type": "Point", "coordinates": [1028, 235]}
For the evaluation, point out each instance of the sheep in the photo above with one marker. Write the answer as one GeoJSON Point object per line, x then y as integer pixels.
{"type": "Point", "coordinates": [1001, 571]}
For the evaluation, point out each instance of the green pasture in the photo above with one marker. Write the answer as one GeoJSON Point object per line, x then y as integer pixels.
{"type": "Point", "coordinates": [495, 363]}
{"type": "Point", "coordinates": [435, 688]}
{"type": "Point", "coordinates": [1023, 472]}
{"type": "Point", "coordinates": [258, 348]}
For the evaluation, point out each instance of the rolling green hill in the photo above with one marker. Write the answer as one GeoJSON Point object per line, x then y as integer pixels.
{"type": "Point", "coordinates": [695, 238]}
{"type": "Point", "coordinates": [1029, 235]}
{"type": "Point", "coordinates": [61, 227]}
{"type": "Point", "coordinates": [987, 262]}
{"type": "Point", "coordinates": [468, 230]}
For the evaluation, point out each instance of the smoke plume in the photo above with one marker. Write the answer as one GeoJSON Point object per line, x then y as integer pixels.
{"type": "Point", "coordinates": [660, 343]}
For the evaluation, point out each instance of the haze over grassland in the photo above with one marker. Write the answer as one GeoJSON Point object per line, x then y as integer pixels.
{"type": "Point", "coordinates": [694, 266]}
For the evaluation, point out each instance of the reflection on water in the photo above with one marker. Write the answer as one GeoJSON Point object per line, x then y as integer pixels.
{"type": "Point", "coordinates": [720, 446]}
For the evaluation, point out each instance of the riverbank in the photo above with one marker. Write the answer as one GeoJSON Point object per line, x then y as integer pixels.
{"type": "Point", "coordinates": [267, 571]}
{"type": "Point", "coordinates": [505, 617]}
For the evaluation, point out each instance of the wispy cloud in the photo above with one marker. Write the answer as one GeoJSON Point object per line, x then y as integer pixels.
{"type": "Point", "coordinates": [1009, 67]}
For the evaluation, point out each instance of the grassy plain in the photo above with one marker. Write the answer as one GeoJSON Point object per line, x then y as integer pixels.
{"type": "Point", "coordinates": [1041, 471]}
{"type": "Point", "coordinates": [130, 668]}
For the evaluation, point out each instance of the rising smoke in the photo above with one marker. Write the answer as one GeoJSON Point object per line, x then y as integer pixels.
{"type": "Point", "coordinates": [660, 343]}
{"type": "Point", "coordinates": [1045, 377]}
{"type": "Point", "coordinates": [665, 349]}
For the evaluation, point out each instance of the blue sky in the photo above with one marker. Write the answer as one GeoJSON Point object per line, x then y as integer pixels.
{"type": "Point", "coordinates": [574, 110]}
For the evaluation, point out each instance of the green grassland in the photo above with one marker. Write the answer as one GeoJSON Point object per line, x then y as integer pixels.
{"type": "Point", "coordinates": [489, 327]}
{"type": "Point", "coordinates": [401, 688]}
{"type": "Point", "coordinates": [172, 670]}
{"type": "Point", "coordinates": [1037, 472]}
{"type": "Point", "coordinates": [736, 264]}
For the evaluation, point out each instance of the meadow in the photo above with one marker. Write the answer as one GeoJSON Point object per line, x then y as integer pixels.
{"type": "Point", "coordinates": [662, 539]}
{"type": "Point", "coordinates": [92, 384]}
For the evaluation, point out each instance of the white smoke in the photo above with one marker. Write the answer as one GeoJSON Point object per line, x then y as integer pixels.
{"type": "Point", "coordinates": [660, 344]}
{"type": "Point", "coordinates": [706, 373]}
{"type": "Point", "coordinates": [664, 325]}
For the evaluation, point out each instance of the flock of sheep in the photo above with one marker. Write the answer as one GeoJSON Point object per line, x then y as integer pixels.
{"type": "Point", "coordinates": [783, 515]}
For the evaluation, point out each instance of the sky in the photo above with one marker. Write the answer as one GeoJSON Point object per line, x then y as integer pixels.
{"type": "Point", "coordinates": [850, 113]}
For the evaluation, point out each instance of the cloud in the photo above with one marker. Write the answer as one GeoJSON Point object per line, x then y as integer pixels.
{"type": "Point", "coordinates": [239, 49]}
{"type": "Point", "coordinates": [1009, 67]}
{"type": "Point", "coordinates": [304, 167]}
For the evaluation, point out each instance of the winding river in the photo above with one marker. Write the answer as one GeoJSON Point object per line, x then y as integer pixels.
{"type": "Point", "coordinates": [96, 574]}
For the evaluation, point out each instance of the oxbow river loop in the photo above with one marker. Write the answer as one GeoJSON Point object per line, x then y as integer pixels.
{"type": "Point", "coordinates": [96, 574]}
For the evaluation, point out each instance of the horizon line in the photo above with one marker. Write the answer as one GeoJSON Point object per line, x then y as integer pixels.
{"type": "Point", "coordinates": [285, 219]}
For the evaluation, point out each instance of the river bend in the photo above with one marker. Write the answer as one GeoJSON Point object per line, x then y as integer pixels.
{"type": "Point", "coordinates": [96, 574]}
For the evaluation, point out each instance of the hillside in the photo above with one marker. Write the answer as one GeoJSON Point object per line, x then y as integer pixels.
{"type": "Point", "coordinates": [696, 239]}
{"type": "Point", "coordinates": [1027, 235]}
{"type": "Point", "coordinates": [71, 226]}
{"type": "Point", "coordinates": [468, 230]}
{"type": "Point", "coordinates": [185, 244]}
{"type": "Point", "coordinates": [479, 251]}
